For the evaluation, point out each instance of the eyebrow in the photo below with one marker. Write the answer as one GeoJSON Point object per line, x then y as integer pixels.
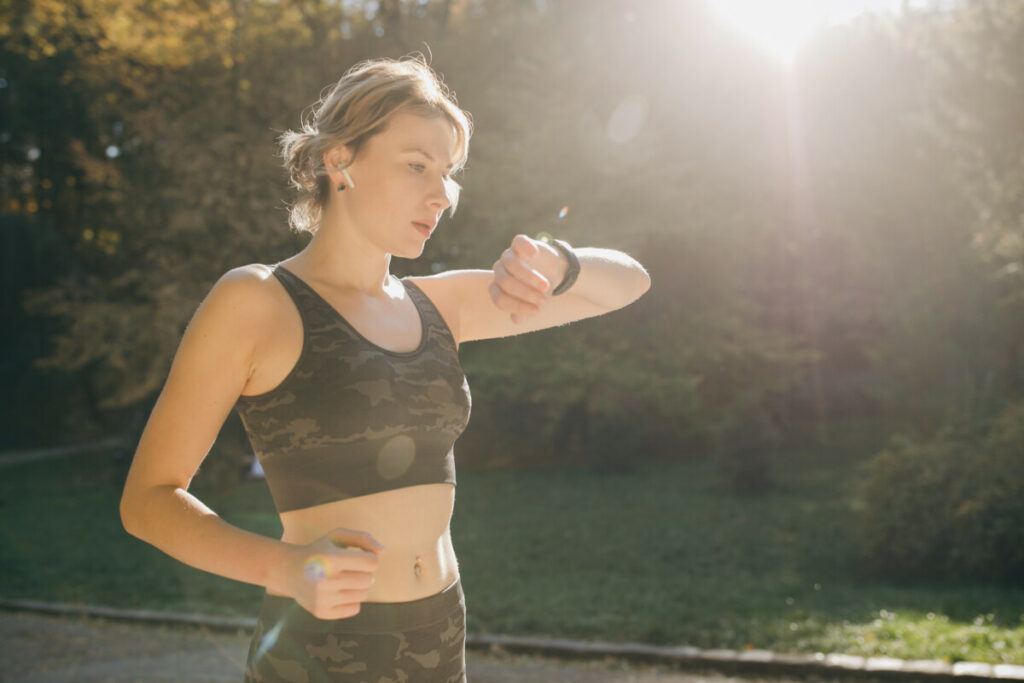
{"type": "Point", "coordinates": [426, 154]}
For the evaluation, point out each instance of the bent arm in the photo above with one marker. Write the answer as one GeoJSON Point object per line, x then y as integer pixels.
{"type": "Point", "coordinates": [482, 307]}
{"type": "Point", "coordinates": [173, 520]}
{"type": "Point", "coordinates": [209, 371]}
{"type": "Point", "coordinates": [608, 278]}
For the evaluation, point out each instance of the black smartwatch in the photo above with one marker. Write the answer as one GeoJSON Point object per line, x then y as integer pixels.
{"type": "Point", "coordinates": [574, 263]}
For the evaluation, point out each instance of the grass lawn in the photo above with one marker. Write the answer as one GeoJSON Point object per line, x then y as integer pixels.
{"type": "Point", "coordinates": [664, 556]}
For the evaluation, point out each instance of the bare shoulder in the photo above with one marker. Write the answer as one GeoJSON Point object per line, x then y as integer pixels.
{"type": "Point", "coordinates": [250, 274]}
{"type": "Point", "coordinates": [245, 289]}
{"type": "Point", "coordinates": [245, 302]}
{"type": "Point", "coordinates": [211, 367]}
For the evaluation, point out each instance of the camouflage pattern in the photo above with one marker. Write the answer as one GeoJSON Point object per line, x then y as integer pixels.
{"type": "Point", "coordinates": [352, 418]}
{"type": "Point", "coordinates": [422, 641]}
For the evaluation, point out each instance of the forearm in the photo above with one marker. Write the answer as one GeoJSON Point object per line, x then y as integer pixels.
{"type": "Point", "coordinates": [180, 525]}
{"type": "Point", "coordinates": [607, 277]}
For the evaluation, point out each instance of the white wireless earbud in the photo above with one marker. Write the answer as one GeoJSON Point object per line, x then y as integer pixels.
{"type": "Point", "coordinates": [348, 178]}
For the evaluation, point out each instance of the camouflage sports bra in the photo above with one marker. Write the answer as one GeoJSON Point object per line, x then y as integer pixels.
{"type": "Point", "coordinates": [352, 418]}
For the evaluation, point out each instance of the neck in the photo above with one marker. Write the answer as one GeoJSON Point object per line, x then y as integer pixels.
{"type": "Point", "coordinates": [345, 259]}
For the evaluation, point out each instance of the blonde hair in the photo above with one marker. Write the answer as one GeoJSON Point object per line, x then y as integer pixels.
{"type": "Point", "coordinates": [353, 110]}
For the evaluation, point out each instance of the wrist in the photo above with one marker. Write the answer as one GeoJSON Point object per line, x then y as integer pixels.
{"type": "Point", "coordinates": [568, 268]}
{"type": "Point", "coordinates": [278, 576]}
{"type": "Point", "coordinates": [555, 265]}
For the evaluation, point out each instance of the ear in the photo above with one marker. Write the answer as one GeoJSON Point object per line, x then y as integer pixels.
{"type": "Point", "coordinates": [340, 155]}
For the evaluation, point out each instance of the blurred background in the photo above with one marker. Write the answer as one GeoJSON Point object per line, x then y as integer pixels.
{"type": "Point", "coordinates": [829, 197]}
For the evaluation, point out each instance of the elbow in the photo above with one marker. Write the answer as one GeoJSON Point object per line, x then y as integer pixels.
{"type": "Point", "coordinates": [640, 284]}
{"type": "Point", "coordinates": [132, 516]}
{"type": "Point", "coordinates": [643, 283]}
{"type": "Point", "coordinates": [631, 288]}
{"type": "Point", "coordinates": [141, 507]}
{"type": "Point", "coordinates": [129, 520]}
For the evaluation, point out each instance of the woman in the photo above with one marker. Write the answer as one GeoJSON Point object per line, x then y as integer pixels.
{"type": "Point", "coordinates": [348, 382]}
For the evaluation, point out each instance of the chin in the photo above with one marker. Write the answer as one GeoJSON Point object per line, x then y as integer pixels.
{"type": "Point", "coordinates": [411, 253]}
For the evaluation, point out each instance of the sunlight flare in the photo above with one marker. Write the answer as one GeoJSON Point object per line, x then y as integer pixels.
{"type": "Point", "coordinates": [782, 26]}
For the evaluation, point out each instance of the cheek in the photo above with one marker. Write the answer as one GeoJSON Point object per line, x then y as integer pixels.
{"type": "Point", "coordinates": [401, 193]}
{"type": "Point", "coordinates": [388, 196]}
{"type": "Point", "coordinates": [381, 194]}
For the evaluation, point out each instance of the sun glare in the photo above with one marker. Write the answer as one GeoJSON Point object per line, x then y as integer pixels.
{"type": "Point", "coordinates": [778, 26]}
{"type": "Point", "coordinates": [782, 26]}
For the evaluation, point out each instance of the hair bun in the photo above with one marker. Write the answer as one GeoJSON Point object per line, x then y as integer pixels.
{"type": "Point", "coordinates": [299, 152]}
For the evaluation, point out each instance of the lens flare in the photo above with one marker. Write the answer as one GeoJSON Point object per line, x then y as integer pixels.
{"type": "Point", "coordinates": [316, 569]}
{"type": "Point", "coordinates": [268, 641]}
{"type": "Point", "coordinates": [396, 456]}
{"type": "Point", "coordinates": [627, 120]}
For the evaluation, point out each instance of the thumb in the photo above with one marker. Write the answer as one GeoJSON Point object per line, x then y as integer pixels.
{"type": "Point", "coordinates": [524, 247]}
{"type": "Point", "coordinates": [359, 539]}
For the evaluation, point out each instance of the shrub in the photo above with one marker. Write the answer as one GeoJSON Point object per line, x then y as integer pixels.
{"type": "Point", "coordinates": [951, 507]}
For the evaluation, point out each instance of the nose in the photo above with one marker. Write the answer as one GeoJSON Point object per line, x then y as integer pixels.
{"type": "Point", "coordinates": [439, 196]}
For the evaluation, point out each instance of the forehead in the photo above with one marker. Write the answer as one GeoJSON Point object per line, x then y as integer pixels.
{"type": "Point", "coordinates": [409, 132]}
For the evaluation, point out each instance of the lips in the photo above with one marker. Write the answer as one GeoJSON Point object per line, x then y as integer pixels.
{"type": "Point", "coordinates": [424, 228]}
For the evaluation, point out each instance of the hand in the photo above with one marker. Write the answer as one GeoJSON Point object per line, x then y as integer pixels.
{"type": "Point", "coordinates": [523, 276]}
{"type": "Point", "coordinates": [329, 579]}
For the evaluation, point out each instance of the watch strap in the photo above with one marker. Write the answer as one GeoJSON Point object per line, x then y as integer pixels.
{"type": "Point", "coordinates": [572, 272]}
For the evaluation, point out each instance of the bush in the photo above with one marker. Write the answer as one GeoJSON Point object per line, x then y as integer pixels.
{"type": "Point", "coordinates": [951, 507]}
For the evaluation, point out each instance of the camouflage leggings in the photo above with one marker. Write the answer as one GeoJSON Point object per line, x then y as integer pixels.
{"type": "Point", "coordinates": [422, 641]}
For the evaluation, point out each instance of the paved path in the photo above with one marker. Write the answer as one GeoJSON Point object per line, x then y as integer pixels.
{"type": "Point", "coordinates": [37, 648]}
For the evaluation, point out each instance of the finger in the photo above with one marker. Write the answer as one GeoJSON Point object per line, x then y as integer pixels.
{"type": "Point", "coordinates": [520, 318]}
{"type": "Point", "coordinates": [339, 611]}
{"type": "Point", "coordinates": [344, 611]}
{"type": "Point", "coordinates": [513, 286]}
{"type": "Point", "coordinates": [351, 580]}
{"type": "Point", "coordinates": [517, 290]}
{"type": "Point", "coordinates": [348, 597]}
{"type": "Point", "coordinates": [518, 269]}
{"type": "Point", "coordinates": [333, 591]}
{"type": "Point", "coordinates": [352, 560]}
{"type": "Point", "coordinates": [359, 539]}
{"type": "Point", "coordinates": [524, 246]}
{"type": "Point", "coordinates": [510, 303]}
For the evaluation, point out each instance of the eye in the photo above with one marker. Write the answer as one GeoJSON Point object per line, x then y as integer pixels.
{"type": "Point", "coordinates": [420, 168]}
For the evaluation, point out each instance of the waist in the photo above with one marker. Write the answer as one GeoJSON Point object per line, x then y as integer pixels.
{"type": "Point", "coordinates": [411, 523]}
{"type": "Point", "coordinates": [373, 617]}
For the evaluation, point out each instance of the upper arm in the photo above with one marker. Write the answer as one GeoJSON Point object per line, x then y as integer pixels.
{"type": "Point", "coordinates": [463, 297]}
{"type": "Point", "coordinates": [208, 373]}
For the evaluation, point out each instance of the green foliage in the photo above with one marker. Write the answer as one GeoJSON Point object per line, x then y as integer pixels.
{"type": "Point", "coordinates": [950, 506]}
{"type": "Point", "coordinates": [660, 555]}
{"type": "Point", "coordinates": [975, 54]}
{"type": "Point", "coordinates": [660, 379]}
{"type": "Point", "coordinates": [822, 248]}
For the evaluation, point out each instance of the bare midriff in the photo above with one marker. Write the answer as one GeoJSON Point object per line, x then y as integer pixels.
{"type": "Point", "coordinates": [411, 523]}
